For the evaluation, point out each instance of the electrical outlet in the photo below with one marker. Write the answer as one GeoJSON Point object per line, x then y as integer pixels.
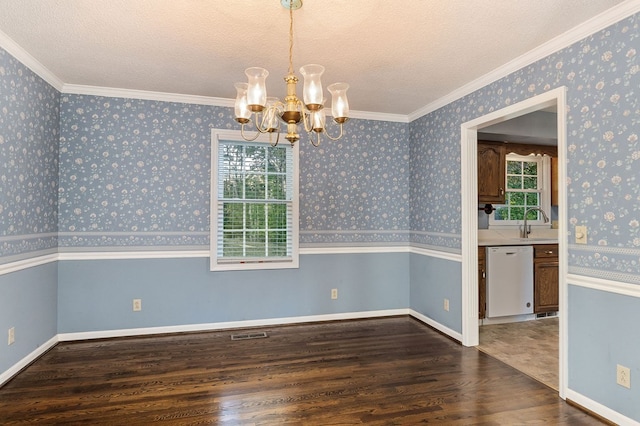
{"type": "Point", "coordinates": [446, 305]}
{"type": "Point", "coordinates": [137, 305]}
{"type": "Point", "coordinates": [581, 234]}
{"type": "Point", "coordinates": [334, 293]}
{"type": "Point", "coordinates": [623, 376]}
{"type": "Point", "coordinates": [12, 336]}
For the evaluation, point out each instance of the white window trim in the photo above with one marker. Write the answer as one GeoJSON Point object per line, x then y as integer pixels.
{"type": "Point", "coordinates": [217, 264]}
{"type": "Point", "coordinates": [545, 195]}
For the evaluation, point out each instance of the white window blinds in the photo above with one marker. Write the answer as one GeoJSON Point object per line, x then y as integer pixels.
{"type": "Point", "coordinates": [254, 215]}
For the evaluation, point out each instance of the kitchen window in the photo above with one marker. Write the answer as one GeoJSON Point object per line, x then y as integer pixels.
{"type": "Point", "coordinates": [254, 203]}
{"type": "Point", "coordinates": [527, 185]}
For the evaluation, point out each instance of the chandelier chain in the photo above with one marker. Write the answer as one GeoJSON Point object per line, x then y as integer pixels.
{"type": "Point", "coordinates": [291, 37]}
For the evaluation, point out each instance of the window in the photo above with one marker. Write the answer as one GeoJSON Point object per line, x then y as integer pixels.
{"type": "Point", "coordinates": [526, 186]}
{"type": "Point", "coordinates": [254, 203]}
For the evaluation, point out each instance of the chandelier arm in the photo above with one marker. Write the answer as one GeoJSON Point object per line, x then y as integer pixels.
{"type": "Point", "coordinates": [333, 138]}
{"type": "Point", "coordinates": [256, 122]}
{"type": "Point", "coordinates": [277, 138]}
{"type": "Point", "coordinates": [246, 138]}
{"type": "Point", "coordinates": [306, 120]}
{"type": "Point", "coordinates": [279, 106]}
{"type": "Point", "coordinates": [317, 143]}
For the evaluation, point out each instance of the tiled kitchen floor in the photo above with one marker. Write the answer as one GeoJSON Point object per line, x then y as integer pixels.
{"type": "Point", "coordinates": [529, 346]}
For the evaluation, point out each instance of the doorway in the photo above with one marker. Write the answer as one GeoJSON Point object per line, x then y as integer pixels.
{"type": "Point", "coordinates": [527, 342]}
{"type": "Point", "coordinates": [469, 140]}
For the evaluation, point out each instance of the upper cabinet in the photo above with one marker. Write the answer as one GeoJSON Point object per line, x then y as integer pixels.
{"type": "Point", "coordinates": [491, 170]}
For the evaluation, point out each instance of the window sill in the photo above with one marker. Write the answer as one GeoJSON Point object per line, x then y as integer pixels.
{"type": "Point", "coordinates": [254, 265]}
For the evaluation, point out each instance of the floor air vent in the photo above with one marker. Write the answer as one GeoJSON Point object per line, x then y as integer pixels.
{"type": "Point", "coordinates": [247, 336]}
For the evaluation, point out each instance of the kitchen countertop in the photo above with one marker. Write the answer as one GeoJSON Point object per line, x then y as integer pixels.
{"type": "Point", "coordinates": [490, 237]}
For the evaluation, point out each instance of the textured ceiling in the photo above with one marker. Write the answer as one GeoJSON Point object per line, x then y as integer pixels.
{"type": "Point", "coordinates": [398, 56]}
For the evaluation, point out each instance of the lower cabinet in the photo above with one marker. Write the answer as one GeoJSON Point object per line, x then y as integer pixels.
{"type": "Point", "coordinates": [545, 278]}
{"type": "Point", "coordinates": [482, 282]}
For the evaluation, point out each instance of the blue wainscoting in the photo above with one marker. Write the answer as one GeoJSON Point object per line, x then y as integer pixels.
{"type": "Point", "coordinates": [96, 295]}
{"type": "Point", "coordinates": [603, 332]}
{"type": "Point", "coordinates": [432, 280]}
{"type": "Point", "coordinates": [29, 303]}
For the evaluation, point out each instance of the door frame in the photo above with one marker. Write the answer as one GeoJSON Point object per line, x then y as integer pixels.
{"type": "Point", "coordinates": [469, 174]}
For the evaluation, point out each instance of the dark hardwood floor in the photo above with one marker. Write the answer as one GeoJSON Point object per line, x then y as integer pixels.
{"type": "Point", "coordinates": [391, 371]}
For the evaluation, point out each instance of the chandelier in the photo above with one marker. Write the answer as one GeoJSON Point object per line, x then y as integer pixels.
{"type": "Point", "coordinates": [268, 113]}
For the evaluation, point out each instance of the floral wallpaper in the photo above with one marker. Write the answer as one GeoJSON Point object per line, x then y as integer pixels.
{"type": "Point", "coordinates": [355, 191]}
{"type": "Point", "coordinates": [29, 132]}
{"type": "Point", "coordinates": [602, 74]}
{"type": "Point", "coordinates": [435, 181]}
{"type": "Point", "coordinates": [135, 175]}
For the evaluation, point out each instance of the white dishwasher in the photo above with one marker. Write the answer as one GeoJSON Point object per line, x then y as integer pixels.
{"type": "Point", "coordinates": [509, 281]}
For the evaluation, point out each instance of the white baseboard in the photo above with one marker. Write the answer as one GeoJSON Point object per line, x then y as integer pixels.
{"type": "Point", "coordinates": [599, 409]}
{"type": "Point", "coordinates": [88, 335]}
{"type": "Point", "coordinates": [441, 328]}
{"type": "Point", "coordinates": [68, 337]}
{"type": "Point", "coordinates": [5, 376]}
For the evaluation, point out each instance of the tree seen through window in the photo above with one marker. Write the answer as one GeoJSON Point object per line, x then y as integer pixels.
{"type": "Point", "coordinates": [255, 201]}
{"type": "Point", "coordinates": [523, 190]}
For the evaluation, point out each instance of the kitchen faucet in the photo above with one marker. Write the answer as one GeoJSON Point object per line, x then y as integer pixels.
{"type": "Point", "coordinates": [524, 233]}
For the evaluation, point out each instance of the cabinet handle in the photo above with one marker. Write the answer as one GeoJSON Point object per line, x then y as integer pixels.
{"type": "Point", "coordinates": [501, 191]}
{"type": "Point", "coordinates": [548, 252]}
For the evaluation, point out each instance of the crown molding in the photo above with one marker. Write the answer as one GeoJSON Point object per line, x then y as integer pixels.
{"type": "Point", "coordinates": [380, 116]}
{"type": "Point", "coordinates": [593, 25]}
{"type": "Point", "coordinates": [15, 50]}
{"type": "Point", "coordinates": [587, 28]}
{"type": "Point", "coordinates": [77, 89]}
{"type": "Point", "coordinates": [110, 92]}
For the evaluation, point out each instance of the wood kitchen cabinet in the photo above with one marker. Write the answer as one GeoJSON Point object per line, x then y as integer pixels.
{"type": "Point", "coordinates": [482, 282]}
{"type": "Point", "coordinates": [545, 278]}
{"type": "Point", "coordinates": [492, 167]}
{"type": "Point", "coordinates": [491, 172]}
